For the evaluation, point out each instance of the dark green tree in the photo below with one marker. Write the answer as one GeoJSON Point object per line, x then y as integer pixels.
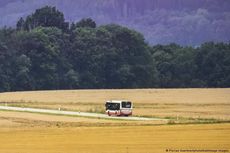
{"type": "Point", "coordinates": [43, 53]}
{"type": "Point", "coordinates": [45, 17]}
{"type": "Point", "coordinates": [132, 63]}
{"type": "Point", "coordinates": [22, 79]}
{"type": "Point", "coordinates": [20, 24]}
{"type": "Point", "coordinates": [213, 61]}
{"type": "Point", "coordinates": [7, 55]}
{"type": "Point", "coordinates": [5, 69]}
{"type": "Point", "coordinates": [71, 80]}
{"type": "Point", "coordinates": [43, 47]}
{"type": "Point", "coordinates": [86, 23]}
{"type": "Point", "coordinates": [176, 66]}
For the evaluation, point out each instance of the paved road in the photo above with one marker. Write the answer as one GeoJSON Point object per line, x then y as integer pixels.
{"type": "Point", "coordinates": [71, 113]}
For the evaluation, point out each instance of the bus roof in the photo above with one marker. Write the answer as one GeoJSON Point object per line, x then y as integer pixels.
{"type": "Point", "coordinates": [117, 101]}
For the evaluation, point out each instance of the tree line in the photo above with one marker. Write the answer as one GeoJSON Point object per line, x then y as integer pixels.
{"type": "Point", "coordinates": [45, 52]}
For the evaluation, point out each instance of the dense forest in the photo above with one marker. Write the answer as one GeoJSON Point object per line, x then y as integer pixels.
{"type": "Point", "coordinates": [45, 52]}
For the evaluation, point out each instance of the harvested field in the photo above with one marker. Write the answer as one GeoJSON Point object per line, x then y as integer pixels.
{"type": "Point", "coordinates": [164, 103]}
{"type": "Point", "coordinates": [131, 139]}
{"type": "Point", "coordinates": [23, 119]}
{"type": "Point", "coordinates": [168, 96]}
{"type": "Point", "coordinates": [29, 132]}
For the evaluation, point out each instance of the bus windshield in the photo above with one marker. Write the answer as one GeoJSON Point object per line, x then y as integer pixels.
{"type": "Point", "coordinates": [126, 104]}
{"type": "Point", "coordinates": [112, 106]}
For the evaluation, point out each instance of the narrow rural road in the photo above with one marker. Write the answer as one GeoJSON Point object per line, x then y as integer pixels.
{"type": "Point", "coordinates": [71, 113]}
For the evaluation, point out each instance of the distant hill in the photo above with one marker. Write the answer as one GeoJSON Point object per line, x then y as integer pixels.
{"type": "Point", "coordinates": [187, 22]}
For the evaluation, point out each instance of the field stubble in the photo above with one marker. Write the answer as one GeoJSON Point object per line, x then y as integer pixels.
{"type": "Point", "coordinates": [29, 132]}
{"type": "Point", "coordinates": [213, 104]}
{"type": "Point", "coordinates": [135, 139]}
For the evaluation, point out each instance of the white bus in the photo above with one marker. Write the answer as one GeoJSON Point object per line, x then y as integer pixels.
{"type": "Point", "coordinates": [118, 107]}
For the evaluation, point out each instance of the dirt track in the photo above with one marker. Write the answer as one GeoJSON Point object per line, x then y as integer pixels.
{"type": "Point", "coordinates": [71, 113]}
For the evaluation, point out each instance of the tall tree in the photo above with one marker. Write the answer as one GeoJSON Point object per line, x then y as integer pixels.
{"type": "Point", "coordinates": [45, 17]}
{"type": "Point", "coordinates": [86, 22]}
{"type": "Point", "coordinates": [213, 61]}
{"type": "Point", "coordinates": [20, 24]}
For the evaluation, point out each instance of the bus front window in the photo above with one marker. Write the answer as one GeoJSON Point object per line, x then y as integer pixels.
{"type": "Point", "coordinates": [125, 104]}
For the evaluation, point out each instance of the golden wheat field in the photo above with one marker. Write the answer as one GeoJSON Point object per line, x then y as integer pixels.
{"type": "Point", "coordinates": [166, 103]}
{"type": "Point", "coordinates": [22, 132]}
{"type": "Point", "coordinates": [127, 139]}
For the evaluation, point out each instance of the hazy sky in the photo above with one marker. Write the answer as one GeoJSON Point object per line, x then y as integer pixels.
{"type": "Point", "coordinates": [188, 22]}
